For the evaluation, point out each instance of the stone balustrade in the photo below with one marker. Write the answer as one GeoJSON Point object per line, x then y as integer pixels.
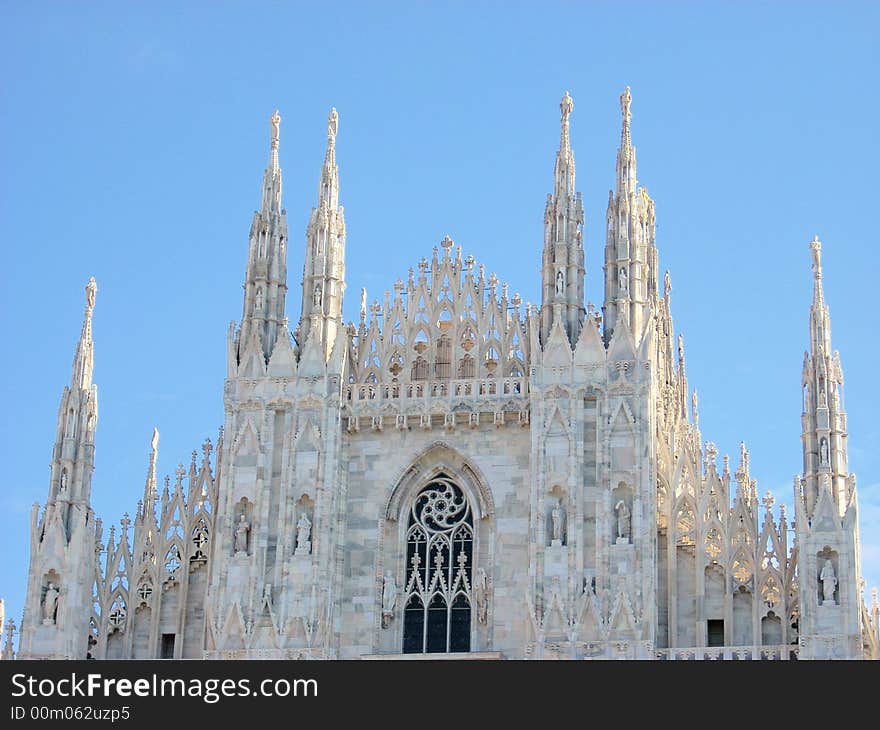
{"type": "Point", "coordinates": [747, 653]}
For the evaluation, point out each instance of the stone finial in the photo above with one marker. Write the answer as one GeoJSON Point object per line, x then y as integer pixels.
{"type": "Point", "coordinates": [769, 500]}
{"type": "Point", "coordinates": [667, 284]}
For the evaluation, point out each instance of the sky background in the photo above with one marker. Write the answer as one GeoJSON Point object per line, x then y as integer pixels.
{"type": "Point", "coordinates": [133, 138]}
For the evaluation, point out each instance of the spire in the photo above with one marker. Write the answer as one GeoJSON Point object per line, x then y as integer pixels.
{"type": "Point", "coordinates": [150, 485]}
{"type": "Point", "coordinates": [630, 245]}
{"type": "Point", "coordinates": [272, 176]}
{"type": "Point", "coordinates": [824, 433]}
{"type": "Point", "coordinates": [626, 155]}
{"type": "Point", "coordinates": [563, 270]}
{"type": "Point", "coordinates": [820, 321]}
{"type": "Point", "coordinates": [83, 361]}
{"type": "Point", "coordinates": [324, 269]}
{"type": "Point", "coordinates": [565, 171]}
{"type": "Point", "coordinates": [265, 286]}
{"type": "Point", "coordinates": [329, 189]}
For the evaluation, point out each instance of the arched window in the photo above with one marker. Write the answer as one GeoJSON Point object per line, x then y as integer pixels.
{"type": "Point", "coordinates": [439, 562]}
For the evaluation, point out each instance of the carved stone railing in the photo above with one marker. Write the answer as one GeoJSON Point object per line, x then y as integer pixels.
{"type": "Point", "coordinates": [471, 388]}
{"type": "Point", "coordinates": [741, 653]}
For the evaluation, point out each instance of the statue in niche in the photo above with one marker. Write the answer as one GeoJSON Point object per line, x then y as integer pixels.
{"type": "Point", "coordinates": [829, 582]}
{"type": "Point", "coordinates": [557, 522]}
{"type": "Point", "coordinates": [259, 299]}
{"type": "Point", "coordinates": [303, 533]}
{"type": "Point", "coordinates": [389, 598]}
{"type": "Point", "coordinates": [64, 480]}
{"type": "Point", "coordinates": [50, 603]}
{"type": "Point", "coordinates": [560, 282]}
{"type": "Point", "coordinates": [481, 595]}
{"type": "Point", "coordinates": [316, 297]}
{"type": "Point", "coordinates": [623, 521]}
{"type": "Point", "coordinates": [241, 535]}
{"type": "Point", "coordinates": [622, 279]}
{"type": "Point", "coordinates": [823, 452]}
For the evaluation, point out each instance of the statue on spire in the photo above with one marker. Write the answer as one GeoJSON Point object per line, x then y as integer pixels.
{"type": "Point", "coordinates": [816, 249]}
{"type": "Point", "coordinates": [91, 290]}
{"type": "Point", "coordinates": [625, 101]}
{"type": "Point", "coordinates": [566, 106]}
{"type": "Point", "coordinates": [275, 123]}
{"type": "Point", "coordinates": [332, 126]}
{"type": "Point", "coordinates": [154, 442]}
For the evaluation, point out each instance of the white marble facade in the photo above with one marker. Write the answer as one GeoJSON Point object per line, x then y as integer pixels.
{"type": "Point", "coordinates": [458, 471]}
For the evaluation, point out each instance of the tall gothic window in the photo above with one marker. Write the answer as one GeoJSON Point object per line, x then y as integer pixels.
{"type": "Point", "coordinates": [439, 555]}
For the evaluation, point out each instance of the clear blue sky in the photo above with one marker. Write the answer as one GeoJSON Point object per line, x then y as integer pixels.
{"type": "Point", "coordinates": [133, 137]}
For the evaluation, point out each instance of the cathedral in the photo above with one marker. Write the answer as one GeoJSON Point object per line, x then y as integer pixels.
{"type": "Point", "coordinates": [457, 472]}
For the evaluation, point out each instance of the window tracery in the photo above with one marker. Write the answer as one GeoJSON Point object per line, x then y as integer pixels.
{"type": "Point", "coordinates": [439, 561]}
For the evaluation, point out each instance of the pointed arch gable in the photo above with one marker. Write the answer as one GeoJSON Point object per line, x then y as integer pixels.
{"type": "Point", "coordinates": [247, 440]}
{"type": "Point", "coordinates": [440, 457]}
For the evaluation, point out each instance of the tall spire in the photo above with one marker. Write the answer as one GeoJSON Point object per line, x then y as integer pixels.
{"type": "Point", "coordinates": [630, 248]}
{"type": "Point", "coordinates": [272, 176]}
{"type": "Point", "coordinates": [328, 192]}
{"type": "Point", "coordinates": [265, 285]}
{"type": "Point", "coordinates": [565, 171]}
{"type": "Point", "coordinates": [324, 270]}
{"type": "Point", "coordinates": [150, 484]}
{"type": "Point", "coordinates": [83, 360]}
{"type": "Point", "coordinates": [626, 155]}
{"type": "Point", "coordinates": [563, 270]}
{"type": "Point", "coordinates": [820, 320]}
{"type": "Point", "coordinates": [824, 419]}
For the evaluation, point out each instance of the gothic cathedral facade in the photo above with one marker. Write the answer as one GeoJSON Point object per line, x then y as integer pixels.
{"type": "Point", "coordinates": [457, 472]}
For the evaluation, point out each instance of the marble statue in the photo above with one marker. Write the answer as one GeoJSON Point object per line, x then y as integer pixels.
{"type": "Point", "coordinates": [303, 532]}
{"type": "Point", "coordinates": [623, 520]}
{"type": "Point", "coordinates": [50, 603]}
{"type": "Point", "coordinates": [829, 582]}
{"type": "Point", "coordinates": [389, 598]}
{"type": "Point", "coordinates": [557, 518]}
{"type": "Point", "coordinates": [481, 595]}
{"type": "Point", "coordinates": [241, 535]}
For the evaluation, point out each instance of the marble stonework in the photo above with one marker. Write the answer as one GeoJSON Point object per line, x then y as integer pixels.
{"type": "Point", "coordinates": [535, 472]}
